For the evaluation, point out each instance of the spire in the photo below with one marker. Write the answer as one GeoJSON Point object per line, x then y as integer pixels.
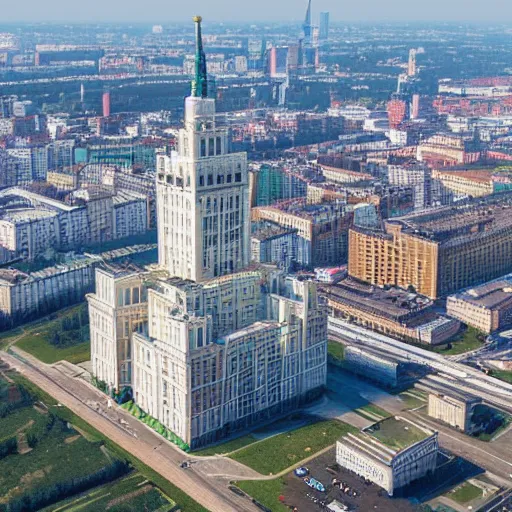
{"type": "Point", "coordinates": [307, 23]}
{"type": "Point", "coordinates": [200, 82]}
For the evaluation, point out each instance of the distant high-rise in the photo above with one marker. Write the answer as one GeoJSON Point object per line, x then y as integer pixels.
{"type": "Point", "coordinates": [307, 27]}
{"type": "Point", "coordinates": [106, 104]}
{"type": "Point", "coordinates": [411, 66]}
{"type": "Point", "coordinates": [324, 26]}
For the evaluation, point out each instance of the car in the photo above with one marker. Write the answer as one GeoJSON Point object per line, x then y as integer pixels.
{"type": "Point", "coordinates": [301, 472]}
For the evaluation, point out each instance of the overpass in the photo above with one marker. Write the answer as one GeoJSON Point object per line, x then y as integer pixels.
{"type": "Point", "coordinates": [492, 391]}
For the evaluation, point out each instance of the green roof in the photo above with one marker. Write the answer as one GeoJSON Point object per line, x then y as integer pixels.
{"type": "Point", "coordinates": [397, 434]}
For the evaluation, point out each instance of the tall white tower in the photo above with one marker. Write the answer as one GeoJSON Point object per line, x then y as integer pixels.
{"type": "Point", "coordinates": [202, 193]}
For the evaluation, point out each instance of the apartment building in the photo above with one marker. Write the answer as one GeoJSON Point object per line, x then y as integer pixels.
{"type": "Point", "coordinates": [31, 223]}
{"type": "Point", "coordinates": [437, 252]}
{"type": "Point", "coordinates": [322, 229]}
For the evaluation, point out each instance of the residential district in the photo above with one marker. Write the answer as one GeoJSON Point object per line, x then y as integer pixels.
{"type": "Point", "coordinates": [256, 267]}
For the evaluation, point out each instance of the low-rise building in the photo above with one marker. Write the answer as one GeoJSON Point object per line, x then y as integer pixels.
{"type": "Point", "coordinates": [450, 405]}
{"type": "Point", "coordinates": [391, 311]}
{"type": "Point", "coordinates": [487, 307]}
{"type": "Point", "coordinates": [391, 453]}
{"type": "Point", "coordinates": [24, 297]}
{"type": "Point", "coordinates": [32, 223]}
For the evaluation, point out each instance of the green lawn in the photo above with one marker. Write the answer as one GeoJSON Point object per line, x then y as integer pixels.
{"type": "Point", "coordinates": [123, 490]}
{"type": "Point", "coordinates": [228, 447]}
{"type": "Point", "coordinates": [470, 339]}
{"type": "Point", "coordinates": [267, 492]}
{"type": "Point", "coordinates": [18, 419]}
{"type": "Point", "coordinates": [36, 339]}
{"type": "Point", "coordinates": [412, 402]}
{"type": "Point", "coordinates": [39, 346]}
{"type": "Point", "coordinates": [284, 450]}
{"type": "Point", "coordinates": [50, 462]}
{"type": "Point", "coordinates": [336, 350]}
{"type": "Point", "coordinates": [185, 502]}
{"type": "Point", "coordinates": [503, 375]}
{"type": "Point", "coordinates": [465, 493]}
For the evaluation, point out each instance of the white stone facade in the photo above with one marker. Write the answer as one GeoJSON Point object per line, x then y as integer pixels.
{"type": "Point", "coordinates": [116, 310]}
{"type": "Point", "coordinates": [202, 200]}
{"type": "Point", "coordinates": [389, 468]}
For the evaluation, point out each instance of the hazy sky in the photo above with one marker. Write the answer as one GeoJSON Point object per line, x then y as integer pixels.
{"type": "Point", "coordinates": [161, 11]}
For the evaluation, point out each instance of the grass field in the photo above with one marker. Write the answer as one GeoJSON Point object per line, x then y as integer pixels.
{"type": "Point", "coordinates": [336, 350]}
{"type": "Point", "coordinates": [185, 502]}
{"type": "Point", "coordinates": [278, 453]}
{"type": "Point", "coordinates": [39, 346]}
{"type": "Point", "coordinates": [470, 339]}
{"type": "Point", "coordinates": [35, 340]}
{"type": "Point", "coordinates": [227, 447]}
{"type": "Point", "coordinates": [267, 492]}
{"type": "Point", "coordinates": [18, 419]}
{"type": "Point", "coordinates": [412, 399]}
{"type": "Point", "coordinates": [53, 460]}
{"type": "Point", "coordinates": [372, 412]}
{"type": "Point", "coordinates": [132, 493]}
{"type": "Point", "coordinates": [503, 375]}
{"type": "Point", "coordinates": [465, 493]}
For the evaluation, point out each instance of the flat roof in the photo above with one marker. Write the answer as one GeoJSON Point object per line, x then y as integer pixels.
{"type": "Point", "coordinates": [397, 433]}
{"type": "Point", "coordinates": [392, 303]}
{"type": "Point", "coordinates": [489, 295]}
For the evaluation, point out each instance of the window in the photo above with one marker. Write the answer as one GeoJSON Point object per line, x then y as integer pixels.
{"type": "Point", "coordinates": [211, 147]}
{"type": "Point", "coordinates": [220, 179]}
{"type": "Point", "coordinates": [238, 177]}
{"type": "Point", "coordinates": [219, 146]}
{"type": "Point", "coordinates": [201, 181]}
{"type": "Point", "coordinates": [135, 296]}
{"type": "Point", "coordinates": [203, 147]}
{"type": "Point", "coordinates": [127, 298]}
{"type": "Point", "coordinates": [229, 178]}
{"type": "Point", "coordinates": [210, 179]}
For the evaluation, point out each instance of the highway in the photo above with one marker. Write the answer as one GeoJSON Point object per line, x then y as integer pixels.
{"type": "Point", "coordinates": [491, 390]}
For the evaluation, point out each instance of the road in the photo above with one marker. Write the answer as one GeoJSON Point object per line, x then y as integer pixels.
{"type": "Point", "coordinates": [133, 436]}
{"type": "Point", "coordinates": [495, 457]}
{"type": "Point", "coordinates": [491, 390]}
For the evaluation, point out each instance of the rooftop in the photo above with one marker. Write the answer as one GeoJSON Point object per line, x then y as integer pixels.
{"type": "Point", "coordinates": [271, 232]}
{"type": "Point", "coordinates": [393, 303]}
{"type": "Point", "coordinates": [450, 225]}
{"type": "Point", "coordinates": [490, 295]}
{"type": "Point", "coordinates": [397, 433]}
{"type": "Point", "coordinates": [316, 213]}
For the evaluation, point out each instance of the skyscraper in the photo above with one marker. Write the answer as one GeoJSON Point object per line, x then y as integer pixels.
{"type": "Point", "coordinates": [307, 27]}
{"type": "Point", "coordinates": [209, 344]}
{"type": "Point", "coordinates": [202, 193]}
{"type": "Point", "coordinates": [324, 26]}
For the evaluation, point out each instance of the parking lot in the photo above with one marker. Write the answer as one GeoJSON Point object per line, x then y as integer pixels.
{"type": "Point", "coordinates": [367, 497]}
